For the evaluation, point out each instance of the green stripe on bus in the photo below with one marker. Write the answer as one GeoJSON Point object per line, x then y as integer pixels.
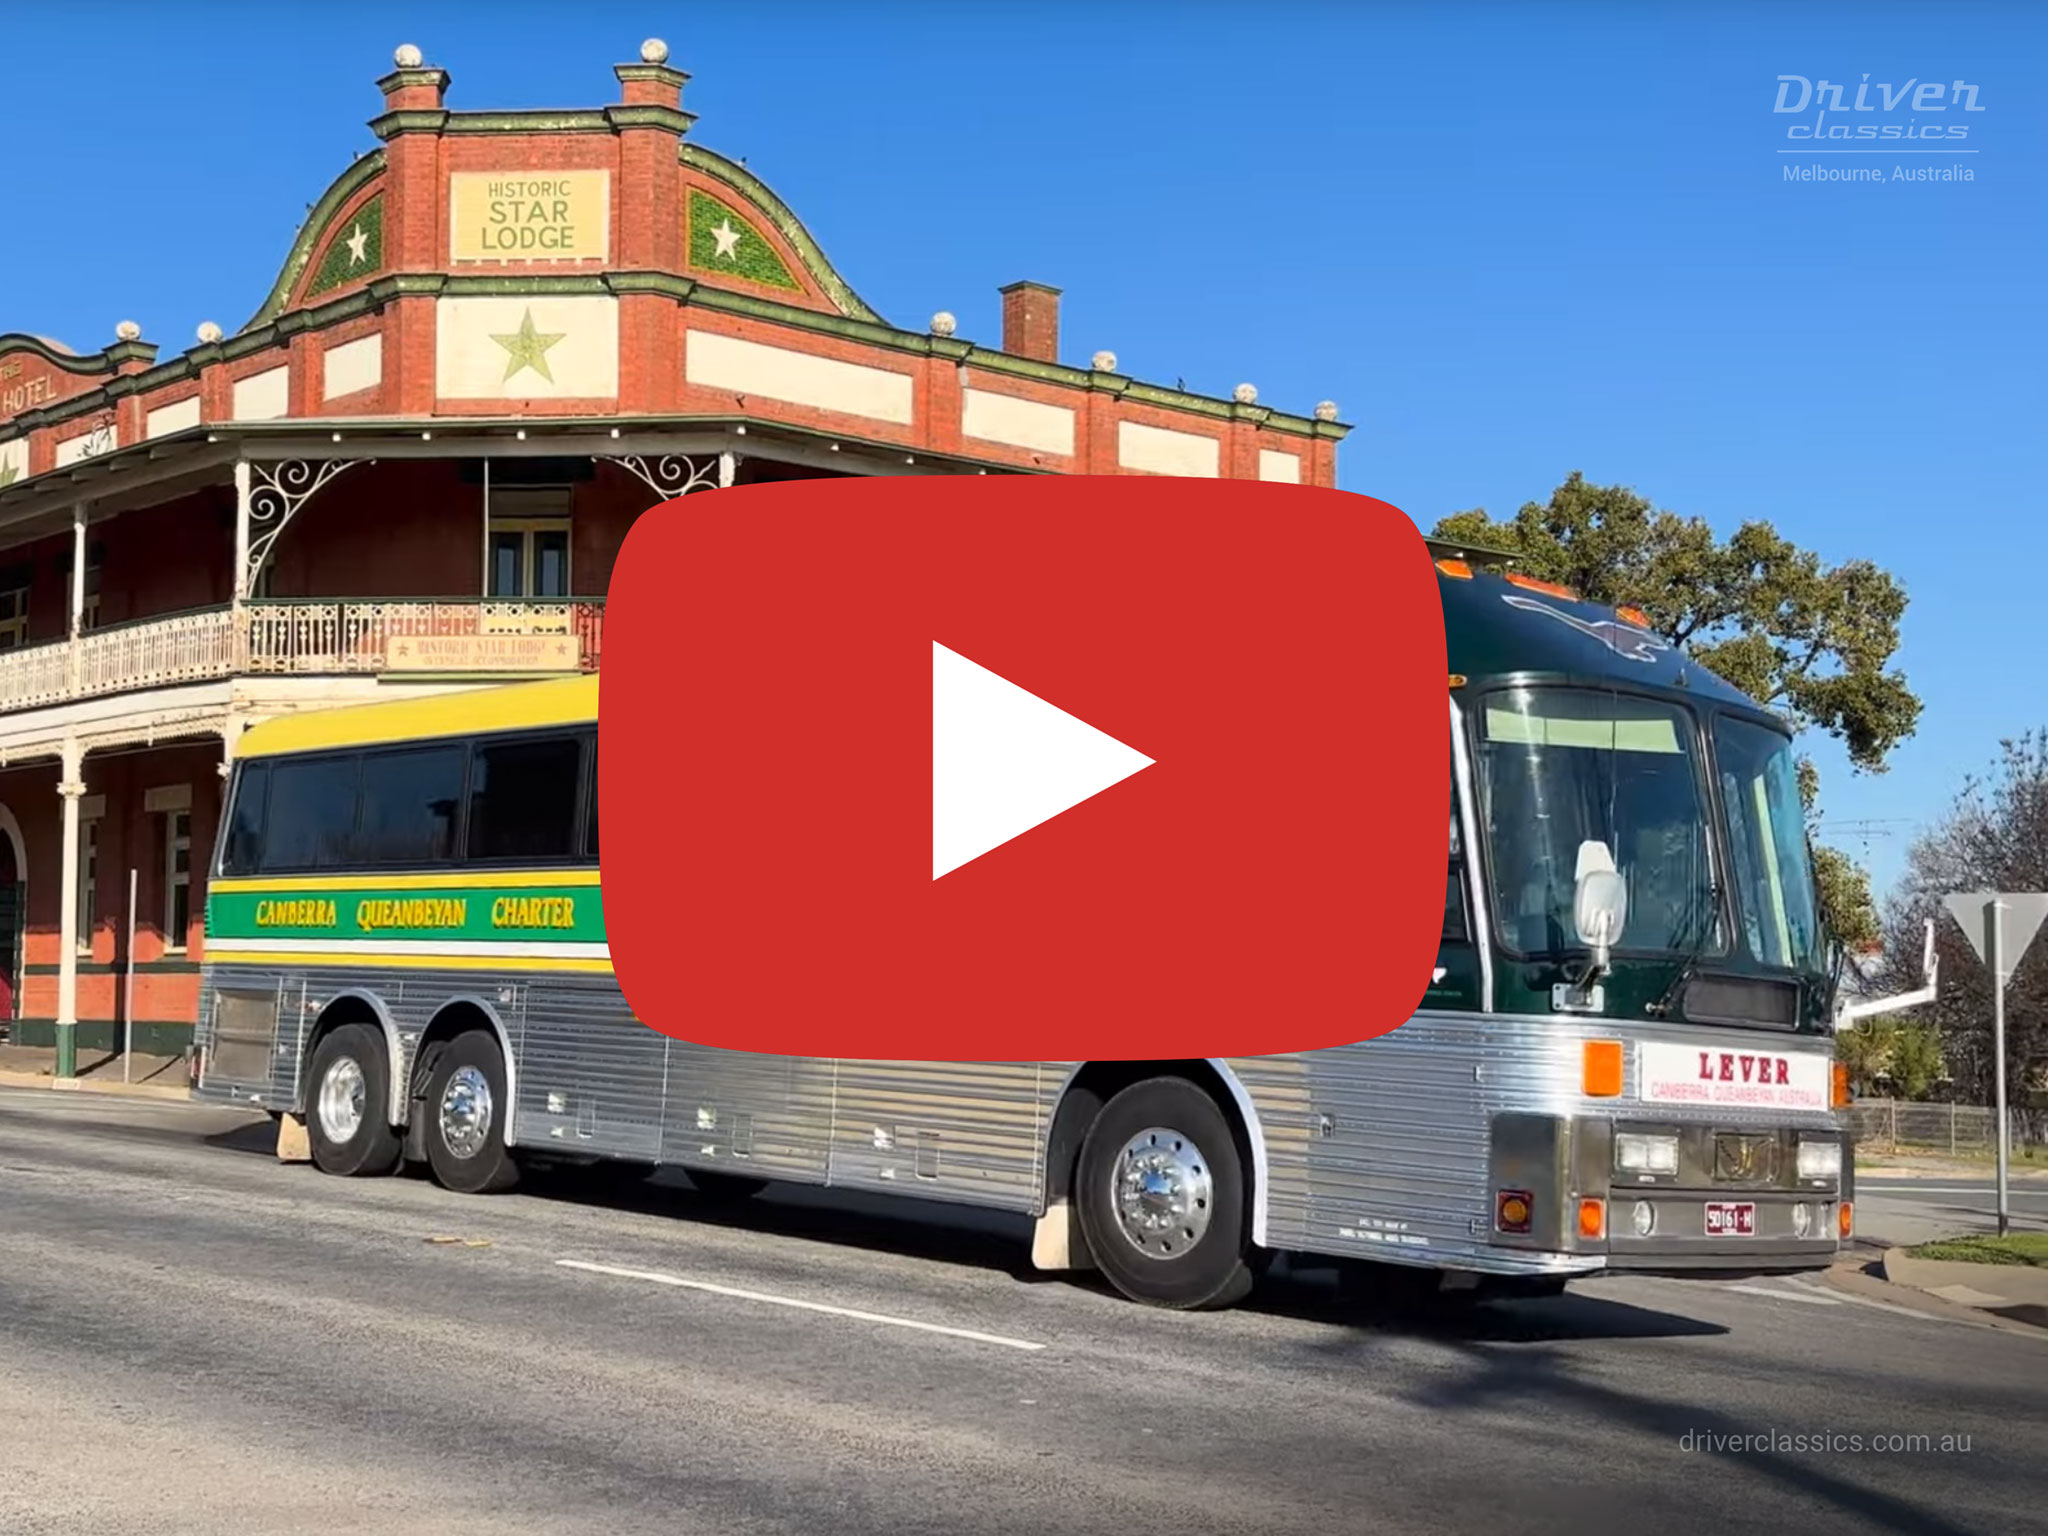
{"type": "Point", "coordinates": [565, 914]}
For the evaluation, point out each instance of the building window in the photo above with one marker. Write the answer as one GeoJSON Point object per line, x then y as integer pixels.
{"type": "Point", "coordinates": [13, 616]}
{"type": "Point", "coordinates": [89, 614]}
{"type": "Point", "coordinates": [88, 881]}
{"type": "Point", "coordinates": [528, 543]}
{"type": "Point", "coordinates": [177, 878]}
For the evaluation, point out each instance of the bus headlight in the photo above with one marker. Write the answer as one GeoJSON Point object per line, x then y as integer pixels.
{"type": "Point", "coordinates": [1820, 1160]}
{"type": "Point", "coordinates": [1634, 1153]}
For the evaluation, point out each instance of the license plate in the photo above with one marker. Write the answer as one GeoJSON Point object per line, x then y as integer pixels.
{"type": "Point", "coordinates": [1731, 1220]}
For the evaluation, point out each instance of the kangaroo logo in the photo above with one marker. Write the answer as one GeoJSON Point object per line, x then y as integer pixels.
{"type": "Point", "coordinates": [1626, 641]}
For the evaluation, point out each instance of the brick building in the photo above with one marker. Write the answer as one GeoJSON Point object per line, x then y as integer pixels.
{"type": "Point", "coordinates": [499, 338]}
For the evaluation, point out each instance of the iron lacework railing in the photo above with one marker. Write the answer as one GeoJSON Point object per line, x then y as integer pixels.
{"type": "Point", "coordinates": [308, 637]}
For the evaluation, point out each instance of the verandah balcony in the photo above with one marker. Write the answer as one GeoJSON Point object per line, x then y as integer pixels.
{"type": "Point", "coordinates": [309, 637]}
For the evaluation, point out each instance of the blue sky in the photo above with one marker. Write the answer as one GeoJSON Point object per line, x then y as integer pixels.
{"type": "Point", "coordinates": [1510, 241]}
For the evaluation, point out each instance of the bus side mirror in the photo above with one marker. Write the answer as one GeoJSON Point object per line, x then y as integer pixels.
{"type": "Point", "coordinates": [1599, 902]}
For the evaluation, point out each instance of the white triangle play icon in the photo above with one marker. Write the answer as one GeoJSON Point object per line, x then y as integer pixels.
{"type": "Point", "coordinates": [1004, 760]}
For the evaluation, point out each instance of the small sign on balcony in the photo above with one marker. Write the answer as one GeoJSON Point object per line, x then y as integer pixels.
{"type": "Point", "coordinates": [483, 653]}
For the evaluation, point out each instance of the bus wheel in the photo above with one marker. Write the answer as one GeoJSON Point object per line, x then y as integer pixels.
{"type": "Point", "coordinates": [465, 1110]}
{"type": "Point", "coordinates": [348, 1087]}
{"type": "Point", "coordinates": [724, 1188]}
{"type": "Point", "coordinates": [1161, 1197]}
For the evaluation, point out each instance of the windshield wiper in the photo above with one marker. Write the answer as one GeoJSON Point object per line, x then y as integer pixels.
{"type": "Point", "coordinates": [1707, 919]}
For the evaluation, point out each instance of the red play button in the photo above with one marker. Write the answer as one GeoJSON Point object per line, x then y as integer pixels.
{"type": "Point", "coordinates": [1020, 768]}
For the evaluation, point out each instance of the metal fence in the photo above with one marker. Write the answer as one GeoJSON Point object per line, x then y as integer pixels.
{"type": "Point", "coordinates": [1895, 1125]}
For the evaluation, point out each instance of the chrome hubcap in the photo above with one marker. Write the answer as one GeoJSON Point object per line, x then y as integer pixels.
{"type": "Point", "coordinates": [343, 1093]}
{"type": "Point", "coordinates": [1163, 1193]}
{"type": "Point", "coordinates": [466, 1112]}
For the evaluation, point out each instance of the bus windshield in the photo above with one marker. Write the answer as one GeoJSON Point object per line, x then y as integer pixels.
{"type": "Point", "coordinates": [1767, 841]}
{"type": "Point", "coordinates": [1559, 767]}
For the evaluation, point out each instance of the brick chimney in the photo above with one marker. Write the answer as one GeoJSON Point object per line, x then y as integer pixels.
{"type": "Point", "coordinates": [1031, 321]}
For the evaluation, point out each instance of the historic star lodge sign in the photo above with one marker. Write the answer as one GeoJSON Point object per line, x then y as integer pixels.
{"type": "Point", "coordinates": [529, 216]}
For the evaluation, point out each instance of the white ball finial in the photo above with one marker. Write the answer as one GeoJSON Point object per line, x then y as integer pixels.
{"type": "Point", "coordinates": [128, 330]}
{"type": "Point", "coordinates": [1245, 394]}
{"type": "Point", "coordinates": [1105, 362]}
{"type": "Point", "coordinates": [1326, 411]}
{"type": "Point", "coordinates": [654, 51]}
{"type": "Point", "coordinates": [943, 323]}
{"type": "Point", "coordinates": [407, 56]}
{"type": "Point", "coordinates": [209, 332]}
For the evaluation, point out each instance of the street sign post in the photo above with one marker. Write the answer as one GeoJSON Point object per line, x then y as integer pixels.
{"type": "Point", "coordinates": [1999, 926]}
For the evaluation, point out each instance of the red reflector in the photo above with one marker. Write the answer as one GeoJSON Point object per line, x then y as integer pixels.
{"type": "Point", "coordinates": [1512, 1210]}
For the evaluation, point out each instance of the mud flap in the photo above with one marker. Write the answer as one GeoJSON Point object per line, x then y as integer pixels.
{"type": "Point", "coordinates": [1057, 1241]}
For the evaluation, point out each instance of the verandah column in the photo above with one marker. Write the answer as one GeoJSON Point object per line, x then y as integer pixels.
{"type": "Point", "coordinates": [70, 787]}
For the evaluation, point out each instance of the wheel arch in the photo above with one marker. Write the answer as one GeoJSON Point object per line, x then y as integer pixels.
{"type": "Point", "coordinates": [458, 1015]}
{"type": "Point", "coordinates": [358, 1006]}
{"type": "Point", "coordinates": [1089, 1085]}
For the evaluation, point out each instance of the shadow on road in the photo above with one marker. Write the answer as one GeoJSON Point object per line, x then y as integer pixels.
{"type": "Point", "coordinates": [951, 1234]}
{"type": "Point", "coordinates": [1541, 1383]}
{"type": "Point", "coordinates": [997, 1241]}
{"type": "Point", "coordinates": [258, 1137]}
{"type": "Point", "coordinates": [1310, 1294]}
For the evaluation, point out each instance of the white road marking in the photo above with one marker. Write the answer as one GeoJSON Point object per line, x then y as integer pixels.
{"type": "Point", "coordinates": [657, 1278]}
{"type": "Point", "coordinates": [1876, 1306]}
{"type": "Point", "coordinates": [1778, 1293]}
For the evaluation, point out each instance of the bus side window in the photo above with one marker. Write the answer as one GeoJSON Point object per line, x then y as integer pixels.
{"type": "Point", "coordinates": [243, 847]}
{"type": "Point", "coordinates": [522, 798]}
{"type": "Point", "coordinates": [410, 797]}
{"type": "Point", "coordinates": [311, 819]}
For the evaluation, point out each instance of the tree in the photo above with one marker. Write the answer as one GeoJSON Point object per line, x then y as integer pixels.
{"type": "Point", "coordinates": [1890, 1057]}
{"type": "Point", "coordinates": [1993, 838]}
{"type": "Point", "coordinates": [1812, 642]}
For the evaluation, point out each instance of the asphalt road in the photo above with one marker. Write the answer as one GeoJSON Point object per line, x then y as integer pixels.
{"type": "Point", "coordinates": [194, 1338]}
{"type": "Point", "coordinates": [1918, 1210]}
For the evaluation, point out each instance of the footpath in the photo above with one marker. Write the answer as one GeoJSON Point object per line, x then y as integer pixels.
{"type": "Point", "coordinates": [146, 1077]}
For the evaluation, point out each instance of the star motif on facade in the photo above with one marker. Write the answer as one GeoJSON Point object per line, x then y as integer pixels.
{"type": "Point", "coordinates": [358, 246]}
{"type": "Point", "coordinates": [9, 474]}
{"type": "Point", "coordinates": [727, 239]}
{"type": "Point", "coordinates": [528, 348]}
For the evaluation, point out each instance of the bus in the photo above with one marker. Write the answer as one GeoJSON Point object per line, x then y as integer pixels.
{"type": "Point", "coordinates": [1622, 1062]}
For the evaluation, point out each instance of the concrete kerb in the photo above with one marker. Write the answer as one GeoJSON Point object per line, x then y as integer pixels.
{"type": "Point", "coordinates": [1885, 1278]}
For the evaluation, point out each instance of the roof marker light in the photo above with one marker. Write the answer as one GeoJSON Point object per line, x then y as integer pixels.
{"type": "Point", "coordinates": [1554, 589]}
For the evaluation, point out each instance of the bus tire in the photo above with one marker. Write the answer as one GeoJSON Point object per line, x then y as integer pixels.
{"type": "Point", "coordinates": [465, 1117]}
{"type": "Point", "coordinates": [1160, 1192]}
{"type": "Point", "coordinates": [348, 1086]}
{"type": "Point", "coordinates": [717, 1188]}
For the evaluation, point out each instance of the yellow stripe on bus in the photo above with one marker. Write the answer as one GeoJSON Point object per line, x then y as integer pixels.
{"type": "Point", "coordinates": [453, 880]}
{"type": "Point", "coordinates": [334, 960]}
{"type": "Point", "coordinates": [470, 712]}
